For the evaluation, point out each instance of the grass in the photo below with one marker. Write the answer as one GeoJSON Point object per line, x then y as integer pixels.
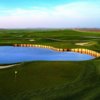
{"type": "Point", "coordinates": [55, 80]}
{"type": "Point", "coordinates": [65, 38]}
{"type": "Point", "coordinates": [50, 80]}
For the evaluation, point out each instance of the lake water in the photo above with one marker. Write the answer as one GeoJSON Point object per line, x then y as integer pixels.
{"type": "Point", "coordinates": [10, 54]}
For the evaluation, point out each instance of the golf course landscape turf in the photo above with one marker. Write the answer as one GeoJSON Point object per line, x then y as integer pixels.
{"type": "Point", "coordinates": [51, 80]}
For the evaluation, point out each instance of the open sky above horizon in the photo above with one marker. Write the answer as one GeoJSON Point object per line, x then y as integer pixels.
{"type": "Point", "coordinates": [49, 13]}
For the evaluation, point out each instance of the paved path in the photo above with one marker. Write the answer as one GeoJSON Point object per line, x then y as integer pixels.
{"type": "Point", "coordinates": [8, 66]}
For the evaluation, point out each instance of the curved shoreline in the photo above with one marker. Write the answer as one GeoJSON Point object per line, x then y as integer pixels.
{"type": "Point", "coordinates": [79, 50]}
{"type": "Point", "coordinates": [8, 66]}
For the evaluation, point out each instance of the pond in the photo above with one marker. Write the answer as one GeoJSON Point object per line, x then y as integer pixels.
{"type": "Point", "coordinates": [10, 55]}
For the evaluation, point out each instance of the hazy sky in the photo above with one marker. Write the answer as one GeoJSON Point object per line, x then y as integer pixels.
{"type": "Point", "coordinates": [49, 13]}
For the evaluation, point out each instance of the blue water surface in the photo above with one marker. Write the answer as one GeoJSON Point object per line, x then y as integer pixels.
{"type": "Point", "coordinates": [10, 55]}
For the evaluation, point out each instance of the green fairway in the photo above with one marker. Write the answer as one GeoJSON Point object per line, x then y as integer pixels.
{"type": "Point", "coordinates": [54, 80]}
{"type": "Point", "coordinates": [51, 80]}
{"type": "Point", "coordinates": [65, 38]}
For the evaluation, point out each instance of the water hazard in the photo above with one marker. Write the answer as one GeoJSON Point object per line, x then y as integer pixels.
{"type": "Point", "coordinates": [10, 55]}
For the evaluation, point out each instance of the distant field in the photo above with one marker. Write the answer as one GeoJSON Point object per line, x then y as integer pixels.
{"type": "Point", "coordinates": [55, 80]}
{"type": "Point", "coordinates": [57, 38]}
{"type": "Point", "coordinates": [88, 30]}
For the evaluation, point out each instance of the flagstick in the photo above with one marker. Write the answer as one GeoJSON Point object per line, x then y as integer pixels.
{"type": "Point", "coordinates": [16, 73]}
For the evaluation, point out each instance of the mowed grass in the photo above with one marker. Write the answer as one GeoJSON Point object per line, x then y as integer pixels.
{"type": "Point", "coordinates": [50, 80]}
{"type": "Point", "coordinates": [36, 76]}
{"type": "Point", "coordinates": [55, 80]}
{"type": "Point", "coordinates": [58, 38]}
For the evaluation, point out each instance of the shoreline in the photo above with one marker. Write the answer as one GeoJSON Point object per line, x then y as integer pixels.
{"type": "Point", "coordinates": [79, 50]}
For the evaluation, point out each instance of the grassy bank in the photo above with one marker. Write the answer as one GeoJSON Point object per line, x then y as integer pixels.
{"type": "Point", "coordinates": [51, 80]}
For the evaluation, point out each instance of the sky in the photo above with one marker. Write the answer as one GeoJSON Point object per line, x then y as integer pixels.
{"type": "Point", "coordinates": [49, 13]}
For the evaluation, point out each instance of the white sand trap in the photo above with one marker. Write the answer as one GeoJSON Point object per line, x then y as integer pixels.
{"type": "Point", "coordinates": [85, 43]}
{"type": "Point", "coordinates": [81, 44]}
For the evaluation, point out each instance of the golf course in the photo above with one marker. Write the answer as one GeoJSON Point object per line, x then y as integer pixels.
{"type": "Point", "coordinates": [51, 80]}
